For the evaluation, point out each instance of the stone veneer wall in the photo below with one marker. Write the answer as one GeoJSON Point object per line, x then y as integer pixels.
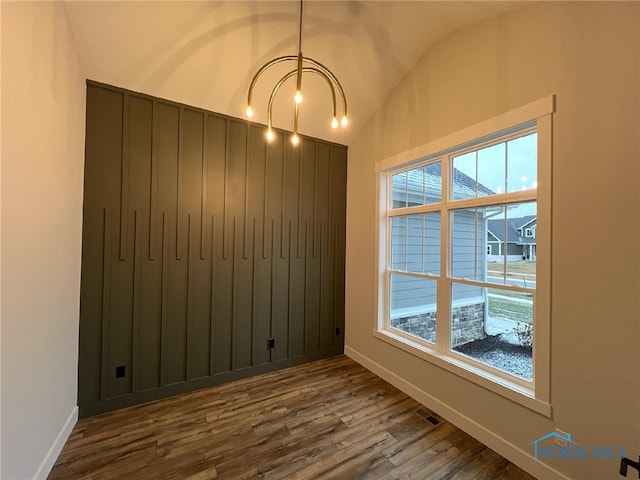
{"type": "Point", "coordinates": [467, 325]}
{"type": "Point", "coordinates": [422, 326]}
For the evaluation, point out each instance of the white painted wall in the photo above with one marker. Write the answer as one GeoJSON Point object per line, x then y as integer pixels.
{"type": "Point", "coordinates": [588, 54]}
{"type": "Point", "coordinates": [43, 98]}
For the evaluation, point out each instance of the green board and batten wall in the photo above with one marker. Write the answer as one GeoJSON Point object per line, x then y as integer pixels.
{"type": "Point", "coordinates": [208, 255]}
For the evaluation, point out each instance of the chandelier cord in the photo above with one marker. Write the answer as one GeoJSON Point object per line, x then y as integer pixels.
{"type": "Point", "coordinates": [300, 30]}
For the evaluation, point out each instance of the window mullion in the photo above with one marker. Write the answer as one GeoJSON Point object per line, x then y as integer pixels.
{"type": "Point", "coordinates": [406, 243]}
{"type": "Point", "coordinates": [493, 200]}
{"type": "Point", "coordinates": [401, 212]}
{"type": "Point", "coordinates": [443, 316]}
{"type": "Point", "coordinates": [414, 274]}
{"type": "Point", "coordinates": [475, 244]}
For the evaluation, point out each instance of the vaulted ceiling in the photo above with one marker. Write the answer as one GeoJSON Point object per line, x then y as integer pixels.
{"type": "Point", "coordinates": [205, 53]}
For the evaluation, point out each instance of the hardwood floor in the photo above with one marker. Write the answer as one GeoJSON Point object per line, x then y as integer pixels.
{"type": "Point", "coordinates": [327, 419]}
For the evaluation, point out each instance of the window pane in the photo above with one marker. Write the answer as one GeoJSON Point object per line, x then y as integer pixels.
{"type": "Point", "coordinates": [413, 306]}
{"type": "Point", "coordinates": [478, 173]}
{"type": "Point", "coordinates": [521, 271]}
{"type": "Point", "coordinates": [491, 170]}
{"type": "Point", "coordinates": [512, 237]}
{"type": "Point", "coordinates": [504, 167]}
{"type": "Point", "coordinates": [469, 242]}
{"type": "Point", "coordinates": [494, 327]}
{"type": "Point", "coordinates": [433, 182]}
{"type": "Point", "coordinates": [464, 176]}
{"type": "Point", "coordinates": [399, 190]}
{"type": "Point", "coordinates": [522, 163]}
{"type": "Point", "coordinates": [399, 229]}
{"type": "Point", "coordinates": [495, 244]}
{"type": "Point", "coordinates": [415, 243]}
{"type": "Point", "coordinates": [419, 186]}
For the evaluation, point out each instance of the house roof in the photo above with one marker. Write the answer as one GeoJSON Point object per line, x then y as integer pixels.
{"type": "Point", "coordinates": [428, 179]}
{"type": "Point", "coordinates": [496, 229]}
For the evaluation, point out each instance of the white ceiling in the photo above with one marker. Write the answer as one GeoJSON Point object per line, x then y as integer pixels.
{"type": "Point", "coordinates": [205, 53]}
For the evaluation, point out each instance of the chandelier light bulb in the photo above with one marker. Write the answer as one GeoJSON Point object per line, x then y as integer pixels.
{"type": "Point", "coordinates": [334, 123]}
{"type": "Point", "coordinates": [295, 139]}
{"type": "Point", "coordinates": [249, 111]}
{"type": "Point", "coordinates": [270, 135]}
{"type": "Point", "coordinates": [344, 122]}
{"type": "Point", "coordinates": [298, 97]}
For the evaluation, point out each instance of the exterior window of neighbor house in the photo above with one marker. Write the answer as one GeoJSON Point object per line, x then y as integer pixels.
{"type": "Point", "coordinates": [458, 278]}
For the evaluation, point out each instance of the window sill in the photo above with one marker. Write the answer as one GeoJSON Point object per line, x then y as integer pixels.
{"type": "Point", "coordinates": [500, 385]}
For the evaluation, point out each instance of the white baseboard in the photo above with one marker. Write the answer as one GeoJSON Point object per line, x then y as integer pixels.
{"type": "Point", "coordinates": [464, 423]}
{"type": "Point", "coordinates": [53, 453]}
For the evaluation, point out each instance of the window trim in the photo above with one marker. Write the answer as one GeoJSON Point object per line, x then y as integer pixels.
{"type": "Point", "coordinates": [533, 395]}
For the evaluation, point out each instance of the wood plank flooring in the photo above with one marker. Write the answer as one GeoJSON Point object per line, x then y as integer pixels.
{"type": "Point", "coordinates": [327, 419]}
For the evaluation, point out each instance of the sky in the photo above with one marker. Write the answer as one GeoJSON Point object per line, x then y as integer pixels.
{"type": "Point", "coordinates": [506, 167]}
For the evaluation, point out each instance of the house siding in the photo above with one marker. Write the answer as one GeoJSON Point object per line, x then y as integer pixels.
{"type": "Point", "coordinates": [415, 248]}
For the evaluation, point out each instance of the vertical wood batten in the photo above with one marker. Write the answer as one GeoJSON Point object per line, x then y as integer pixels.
{"type": "Point", "coordinates": [153, 187]}
{"type": "Point", "coordinates": [271, 284]}
{"type": "Point", "coordinates": [106, 299]}
{"type": "Point", "coordinates": [283, 198]}
{"type": "Point", "coordinates": [322, 290]}
{"type": "Point", "coordinates": [135, 311]}
{"type": "Point", "coordinates": [299, 229]}
{"type": "Point", "coordinates": [265, 201]}
{"type": "Point", "coordinates": [233, 298]}
{"type": "Point", "coordinates": [204, 184]}
{"type": "Point", "coordinates": [212, 298]}
{"type": "Point", "coordinates": [179, 185]}
{"type": "Point", "coordinates": [164, 299]}
{"type": "Point", "coordinates": [305, 306]}
{"type": "Point", "coordinates": [187, 310]}
{"type": "Point", "coordinates": [289, 293]}
{"type": "Point", "coordinates": [315, 196]}
{"type": "Point", "coordinates": [247, 153]}
{"type": "Point", "coordinates": [252, 296]}
{"type": "Point", "coordinates": [124, 177]}
{"type": "Point", "coordinates": [334, 261]}
{"type": "Point", "coordinates": [330, 204]}
{"type": "Point", "coordinates": [225, 208]}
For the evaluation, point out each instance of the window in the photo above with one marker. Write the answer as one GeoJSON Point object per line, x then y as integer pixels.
{"type": "Point", "coordinates": [445, 293]}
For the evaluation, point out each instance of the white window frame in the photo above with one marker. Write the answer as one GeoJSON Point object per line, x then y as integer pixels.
{"type": "Point", "coordinates": [536, 394]}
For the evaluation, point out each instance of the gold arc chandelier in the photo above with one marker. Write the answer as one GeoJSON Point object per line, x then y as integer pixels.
{"type": "Point", "coordinates": [304, 65]}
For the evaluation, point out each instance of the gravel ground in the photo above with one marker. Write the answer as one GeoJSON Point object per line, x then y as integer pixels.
{"type": "Point", "coordinates": [503, 352]}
